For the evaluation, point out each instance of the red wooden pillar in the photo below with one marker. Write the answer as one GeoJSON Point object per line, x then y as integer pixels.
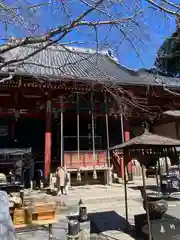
{"type": "Point", "coordinates": [47, 164]}
{"type": "Point", "coordinates": [12, 130]}
{"type": "Point", "coordinates": [126, 138]}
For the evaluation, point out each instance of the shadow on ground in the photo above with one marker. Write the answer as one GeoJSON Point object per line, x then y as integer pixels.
{"type": "Point", "coordinates": [103, 222]}
{"type": "Point", "coordinates": [154, 189]}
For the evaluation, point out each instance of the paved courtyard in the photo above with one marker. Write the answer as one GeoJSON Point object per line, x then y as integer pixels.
{"type": "Point", "coordinates": [106, 210]}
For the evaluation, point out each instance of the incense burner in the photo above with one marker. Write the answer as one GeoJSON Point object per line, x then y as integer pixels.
{"type": "Point", "coordinates": [157, 206]}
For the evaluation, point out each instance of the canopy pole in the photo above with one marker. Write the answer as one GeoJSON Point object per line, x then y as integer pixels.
{"type": "Point", "coordinates": [93, 136]}
{"type": "Point", "coordinates": [167, 167]}
{"type": "Point", "coordinates": [157, 180]}
{"type": "Point", "coordinates": [122, 159]}
{"type": "Point", "coordinates": [125, 176]}
{"type": "Point", "coordinates": [160, 177]}
{"type": "Point", "coordinates": [146, 203]}
{"type": "Point", "coordinates": [107, 142]}
{"type": "Point", "coordinates": [178, 165]}
{"type": "Point", "coordinates": [62, 134]}
{"type": "Point", "coordinates": [125, 195]}
{"type": "Point", "coordinates": [78, 142]}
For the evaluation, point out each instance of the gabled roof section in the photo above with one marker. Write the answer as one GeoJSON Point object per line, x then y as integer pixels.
{"type": "Point", "coordinates": [156, 78]}
{"type": "Point", "coordinates": [173, 113]}
{"type": "Point", "coordinates": [148, 139]}
{"type": "Point", "coordinates": [15, 151]}
{"type": "Point", "coordinates": [57, 62]}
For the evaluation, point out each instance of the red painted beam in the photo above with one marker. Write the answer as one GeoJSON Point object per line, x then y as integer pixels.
{"type": "Point", "coordinates": [127, 138]}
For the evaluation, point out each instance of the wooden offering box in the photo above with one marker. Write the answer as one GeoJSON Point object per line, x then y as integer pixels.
{"type": "Point", "coordinates": [43, 211]}
{"type": "Point", "coordinates": [34, 213]}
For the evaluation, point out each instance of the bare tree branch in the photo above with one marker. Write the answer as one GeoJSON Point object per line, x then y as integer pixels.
{"type": "Point", "coordinates": [160, 7]}
{"type": "Point", "coordinates": [65, 29]}
{"type": "Point", "coordinates": [40, 39]}
{"type": "Point", "coordinates": [109, 22]}
{"type": "Point", "coordinates": [172, 4]}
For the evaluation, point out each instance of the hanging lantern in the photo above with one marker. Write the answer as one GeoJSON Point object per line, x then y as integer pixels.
{"type": "Point", "coordinates": [94, 174]}
{"type": "Point", "coordinates": [83, 216]}
{"type": "Point", "coordinates": [78, 176]}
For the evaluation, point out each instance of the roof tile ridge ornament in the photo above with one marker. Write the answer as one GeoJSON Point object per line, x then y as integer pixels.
{"type": "Point", "coordinates": [115, 60]}
{"type": "Point", "coordinates": [14, 40]}
{"type": "Point", "coordinates": [145, 126]}
{"type": "Point", "coordinates": [110, 54]}
{"type": "Point", "coordinates": [78, 49]}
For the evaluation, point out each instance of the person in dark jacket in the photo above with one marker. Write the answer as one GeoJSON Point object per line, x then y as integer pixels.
{"type": "Point", "coordinates": [18, 170]}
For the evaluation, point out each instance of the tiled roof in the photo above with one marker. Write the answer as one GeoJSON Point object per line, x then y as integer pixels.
{"type": "Point", "coordinates": [15, 151]}
{"type": "Point", "coordinates": [57, 63]}
{"type": "Point", "coordinates": [173, 113]}
{"type": "Point", "coordinates": [146, 139]}
{"type": "Point", "coordinates": [156, 78]}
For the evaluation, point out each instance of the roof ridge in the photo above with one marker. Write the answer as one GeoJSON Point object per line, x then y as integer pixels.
{"type": "Point", "coordinates": [116, 61]}
{"type": "Point", "coordinates": [74, 49]}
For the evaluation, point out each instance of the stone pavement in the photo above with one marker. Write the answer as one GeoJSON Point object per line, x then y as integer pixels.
{"type": "Point", "coordinates": [105, 205]}
{"type": "Point", "coordinates": [93, 193]}
{"type": "Point", "coordinates": [97, 193]}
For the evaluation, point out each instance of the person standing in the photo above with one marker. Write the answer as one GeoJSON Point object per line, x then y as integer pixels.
{"type": "Point", "coordinates": [60, 180]}
{"type": "Point", "coordinates": [18, 170]}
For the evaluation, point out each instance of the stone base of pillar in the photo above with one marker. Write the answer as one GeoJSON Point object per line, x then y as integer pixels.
{"type": "Point", "coordinates": [108, 179]}
{"type": "Point", "coordinates": [130, 176]}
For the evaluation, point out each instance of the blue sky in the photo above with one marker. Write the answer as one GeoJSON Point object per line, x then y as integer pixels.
{"type": "Point", "coordinates": [153, 30]}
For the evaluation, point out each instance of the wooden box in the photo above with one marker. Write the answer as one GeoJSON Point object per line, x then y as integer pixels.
{"type": "Point", "coordinates": [44, 211]}
{"type": "Point", "coordinates": [43, 207]}
{"type": "Point", "coordinates": [50, 215]}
